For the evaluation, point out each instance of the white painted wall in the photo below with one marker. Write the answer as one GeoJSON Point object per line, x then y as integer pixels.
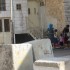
{"type": "Point", "coordinates": [19, 17]}
{"type": "Point", "coordinates": [8, 9]}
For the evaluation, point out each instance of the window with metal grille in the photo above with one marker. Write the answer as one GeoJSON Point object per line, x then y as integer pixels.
{"type": "Point", "coordinates": [18, 6]}
{"type": "Point", "coordinates": [6, 25]}
{"type": "Point", "coordinates": [2, 5]}
{"type": "Point", "coordinates": [0, 25]}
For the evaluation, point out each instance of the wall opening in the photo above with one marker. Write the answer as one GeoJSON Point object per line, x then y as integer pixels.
{"type": "Point", "coordinates": [21, 38]}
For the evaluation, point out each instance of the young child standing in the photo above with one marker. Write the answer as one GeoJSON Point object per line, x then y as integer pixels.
{"type": "Point", "coordinates": [66, 40]}
{"type": "Point", "coordinates": [61, 40]}
{"type": "Point", "coordinates": [56, 41]}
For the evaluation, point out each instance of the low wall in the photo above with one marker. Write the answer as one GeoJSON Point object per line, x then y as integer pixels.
{"type": "Point", "coordinates": [52, 64]}
{"type": "Point", "coordinates": [16, 57]}
{"type": "Point", "coordinates": [42, 48]}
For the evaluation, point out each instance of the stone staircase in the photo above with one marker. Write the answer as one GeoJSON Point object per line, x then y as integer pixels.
{"type": "Point", "coordinates": [35, 32]}
{"type": "Point", "coordinates": [67, 11]}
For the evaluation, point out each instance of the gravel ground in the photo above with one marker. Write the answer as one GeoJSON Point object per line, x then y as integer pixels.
{"type": "Point", "coordinates": [6, 62]}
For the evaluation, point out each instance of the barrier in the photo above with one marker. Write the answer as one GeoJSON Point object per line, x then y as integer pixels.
{"type": "Point", "coordinates": [22, 57]}
{"type": "Point", "coordinates": [52, 64]}
{"type": "Point", "coordinates": [42, 48]}
{"type": "Point", "coordinates": [16, 57]}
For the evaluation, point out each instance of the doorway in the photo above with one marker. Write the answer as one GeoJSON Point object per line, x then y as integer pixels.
{"type": "Point", "coordinates": [5, 32]}
{"type": "Point", "coordinates": [21, 38]}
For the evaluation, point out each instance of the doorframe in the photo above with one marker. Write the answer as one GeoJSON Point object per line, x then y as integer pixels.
{"type": "Point", "coordinates": [3, 29]}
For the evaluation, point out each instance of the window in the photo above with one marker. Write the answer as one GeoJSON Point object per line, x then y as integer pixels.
{"type": "Point", "coordinates": [2, 5]}
{"type": "Point", "coordinates": [18, 6]}
{"type": "Point", "coordinates": [34, 10]}
{"type": "Point", "coordinates": [6, 25]}
{"type": "Point", "coordinates": [41, 3]}
{"type": "Point", "coordinates": [0, 25]}
{"type": "Point", "coordinates": [28, 10]}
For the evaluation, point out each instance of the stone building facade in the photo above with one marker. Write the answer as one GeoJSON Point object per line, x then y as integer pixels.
{"type": "Point", "coordinates": [13, 15]}
{"type": "Point", "coordinates": [55, 13]}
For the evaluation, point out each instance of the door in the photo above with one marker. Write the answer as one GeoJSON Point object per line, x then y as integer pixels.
{"type": "Point", "coordinates": [5, 32]}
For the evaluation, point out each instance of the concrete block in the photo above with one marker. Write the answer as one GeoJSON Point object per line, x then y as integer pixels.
{"type": "Point", "coordinates": [16, 57]}
{"type": "Point", "coordinates": [42, 48]}
{"type": "Point", "coordinates": [22, 57]}
{"type": "Point", "coordinates": [52, 64]}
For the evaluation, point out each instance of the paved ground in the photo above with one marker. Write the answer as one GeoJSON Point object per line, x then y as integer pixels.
{"type": "Point", "coordinates": [61, 52]}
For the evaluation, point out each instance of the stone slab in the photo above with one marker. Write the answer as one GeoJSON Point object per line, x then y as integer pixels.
{"type": "Point", "coordinates": [16, 57]}
{"type": "Point", "coordinates": [22, 57]}
{"type": "Point", "coordinates": [52, 64]}
{"type": "Point", "coordinates": [42, 48]}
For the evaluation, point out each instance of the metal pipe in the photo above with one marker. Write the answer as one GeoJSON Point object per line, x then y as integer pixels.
{"type": "Point", "coordinates": [12, 24]}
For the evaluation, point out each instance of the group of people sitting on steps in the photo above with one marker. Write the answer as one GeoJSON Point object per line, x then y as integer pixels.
{"type": "Point", "coordinates": [61, 41]}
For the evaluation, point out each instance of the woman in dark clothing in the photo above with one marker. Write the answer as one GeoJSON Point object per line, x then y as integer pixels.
{"type": "Point", "coordinates": [65, 40]}
{"type": "Point", "coordinates": [50, 31]}
{"type": "Point", "coordinates": [65, 34]}
{"type": "Point", "coordinates": [66, 30]}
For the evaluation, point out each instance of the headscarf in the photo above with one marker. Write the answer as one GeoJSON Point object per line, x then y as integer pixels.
{"type": "Point", "coordinates": [50, 26]}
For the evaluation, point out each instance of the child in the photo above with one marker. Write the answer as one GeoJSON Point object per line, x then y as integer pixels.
{"type": "Point", "coordinates": [66, 40]}
{"type": "Point", "coordinates": [56, 41]}
{"type": "Point", "coordinates": [61, 40]}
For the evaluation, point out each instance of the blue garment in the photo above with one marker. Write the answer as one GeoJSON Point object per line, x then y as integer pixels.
{"type": "Point", "coordinates": [51, 32]}
{"type": "Point", "coordinates": [55, 40]}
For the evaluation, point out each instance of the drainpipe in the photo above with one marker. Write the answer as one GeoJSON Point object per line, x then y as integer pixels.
{"type": "Point", "coordinates": [11, 10]}
{"type": "Point", "coordinates": [3, 32]}
{"type": "Point", "coordinates": [12, 25]}
{"type": "Point", "coordinates": [43, 16]}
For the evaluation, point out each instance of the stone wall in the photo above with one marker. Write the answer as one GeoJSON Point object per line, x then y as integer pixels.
{"type": "Point", "coordinates": [55, 10]}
